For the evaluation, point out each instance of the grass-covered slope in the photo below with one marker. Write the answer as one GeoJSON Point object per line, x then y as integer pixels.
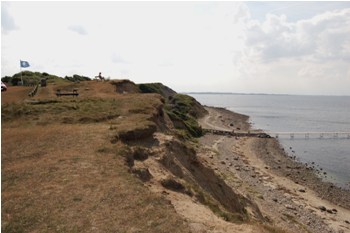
{"type": "Point", "coordinates": [63, 164]}
{"type": "Point", "coordinates": [159, 88]}
{"type": "Point", "coordinates": [136, 113]}
{"type": "Point", "coordinates": [183, 110]}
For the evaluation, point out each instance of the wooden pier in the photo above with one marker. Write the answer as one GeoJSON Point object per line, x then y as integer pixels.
{"type": "Point", "coordinates": [237, 134]}
{"type": "Point", "coordinates": [308, 135]}
{"type": "Point", "coordinates": [290, 135]}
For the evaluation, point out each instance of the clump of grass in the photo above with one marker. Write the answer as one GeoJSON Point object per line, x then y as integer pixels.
{"type": "Point", "coordinates": [273, 229]}
{"type": "Point", "coordinates": [104, 150]}
{"type": "Point", "coordinates": [183, 120]}
{"type": "Point", "coordinates": [293, 219]}
{"type": "Point", "coordinates": [151, 88]}
{"type": "Point", "coordinates": [213, 205]}
{"type": "Point", "coordinates": [77, 199]}
{"type": "Point", "coordinates": [183, 110]}
{"type": "Point", "coordinates": [123, 150]}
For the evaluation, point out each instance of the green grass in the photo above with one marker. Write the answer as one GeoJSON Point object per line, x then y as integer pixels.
{"type": "Point", "coordinates": [213, 205]}
{"type": "Point", "coordinates": [183, 111]}
{"type": "Point", "coordinates": [273, 229]}
{"type": "Point", "coordinates": [152, 88]}
{"type": "Point", "coordinates": [88, 110]}
{"type": "Point", "coordinates": [33, 78]}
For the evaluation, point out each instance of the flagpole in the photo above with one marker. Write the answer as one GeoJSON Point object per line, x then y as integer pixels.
{"type": "Point", "coordinates": [23, 64]}
{"type": "Point", "coordinates": [20, 68]}
{"type": "Point", "coordinates": [21, 77]}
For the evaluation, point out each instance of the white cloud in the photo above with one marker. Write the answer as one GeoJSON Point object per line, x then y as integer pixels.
{"type": "Point", "coordinates": [7, 22]}
{"type": "Point", "coordinates": [190, 46]}
{"type": "Point", "coordinates": [78, 29]}
{"type": "Point", "coordinates": [116, 58]}
{"type": "Point", "coordinates": [307, 56]}
{"type": "Point", "coordinates": [325, 36]}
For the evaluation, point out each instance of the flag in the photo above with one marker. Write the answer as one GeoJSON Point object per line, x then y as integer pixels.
{"type": "Point", "coordinates": [24, 64]}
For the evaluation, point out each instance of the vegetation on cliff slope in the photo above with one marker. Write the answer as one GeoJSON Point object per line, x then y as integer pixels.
{"type": "Point", "coordinates": [183, 110]}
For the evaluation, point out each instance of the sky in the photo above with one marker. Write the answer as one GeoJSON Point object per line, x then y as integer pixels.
{"type": "Point", "coordinates": [240, 47]}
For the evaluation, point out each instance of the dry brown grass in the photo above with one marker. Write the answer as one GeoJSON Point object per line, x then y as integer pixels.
{"type": "Point", "coordinates": [134, 108]}
{"type": "Point", "coordinates": [61, 173]}
{"type": "Point", "coordinates": [15, 94]}
{"type": "Point", "coordinates": [58, 179]}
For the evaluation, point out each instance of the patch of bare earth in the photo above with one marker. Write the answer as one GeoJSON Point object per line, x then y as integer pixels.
{"type": "Point", "coordinates": [185, 184]}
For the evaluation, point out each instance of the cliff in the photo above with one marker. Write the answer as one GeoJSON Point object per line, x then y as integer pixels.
{"type": "Point", "coordinates": [120, 156]}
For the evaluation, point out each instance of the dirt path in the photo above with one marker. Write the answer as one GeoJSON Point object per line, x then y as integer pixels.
{"type": "Point", "coordinates": [288, 204]}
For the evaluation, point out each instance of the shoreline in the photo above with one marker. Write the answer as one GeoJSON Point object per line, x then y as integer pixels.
{"type": "Point", "coordinates": [295, 170]}
{"type": "Point", "coordinates": [280, 185]}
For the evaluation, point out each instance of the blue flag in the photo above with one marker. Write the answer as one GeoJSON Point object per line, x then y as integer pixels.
{"type": "Point", "coordinates": [24, 64]}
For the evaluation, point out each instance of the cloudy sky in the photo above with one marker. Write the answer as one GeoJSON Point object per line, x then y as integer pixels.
{"type": "Point", "coordinates": [246, 47]}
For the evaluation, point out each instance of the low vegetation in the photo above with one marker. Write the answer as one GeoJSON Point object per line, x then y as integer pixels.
{"type": "Point", "coordinates": [77, 78]}
{"type": "Point", "coordinates": [159, 88]}
{"type": "Point", "coordinates": [183, 110]}
{"type": "Point", "coordinates": [32, 78]}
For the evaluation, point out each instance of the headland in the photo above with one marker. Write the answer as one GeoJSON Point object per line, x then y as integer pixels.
{"type": "Point", "coordinates": [126, 157]}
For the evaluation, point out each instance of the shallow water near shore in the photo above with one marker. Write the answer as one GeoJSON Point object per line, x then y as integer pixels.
{"type": "Point", "coordinates": [287, 113]}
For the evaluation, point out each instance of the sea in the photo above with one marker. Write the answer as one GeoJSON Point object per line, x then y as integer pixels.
{"type": "Point", "coordinates": [309, 116]}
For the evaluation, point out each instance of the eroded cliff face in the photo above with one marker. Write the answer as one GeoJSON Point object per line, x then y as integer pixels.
{"type": "Point", "coordinates": [168, 165]}
{"type": "Point", "coordinates": [92, 149]}
{"type": "Point", "coordinates": [167, 162]}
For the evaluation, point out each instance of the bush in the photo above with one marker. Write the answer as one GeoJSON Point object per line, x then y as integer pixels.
{"type": "Point", "coordinates": [151, 88]}
{"type": "Point", "coordinates": [14, 81]}
{"type": "Point", "coordinates": [76, 78]}
{"type": "Point", "coordinates": [6, 79]}
{"type": "Point", "coordinates": [29, 78]}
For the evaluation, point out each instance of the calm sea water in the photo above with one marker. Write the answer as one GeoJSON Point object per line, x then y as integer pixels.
{"type": "Point", "coordinates": [287, 113]}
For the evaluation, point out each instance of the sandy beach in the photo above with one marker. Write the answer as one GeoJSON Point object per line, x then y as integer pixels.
{"type": "Point", "coordinates": [288, 193]}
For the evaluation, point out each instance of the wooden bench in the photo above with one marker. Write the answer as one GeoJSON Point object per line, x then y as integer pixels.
{"type": "Point", "coordinates": [74, 93]}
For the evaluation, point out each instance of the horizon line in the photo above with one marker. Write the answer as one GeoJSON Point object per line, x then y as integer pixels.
{"type": "Point", "coordinates": [247, 93]}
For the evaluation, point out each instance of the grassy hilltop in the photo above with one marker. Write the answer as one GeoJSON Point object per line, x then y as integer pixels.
{"type": "Point", "coordinates": [108, 160]}
{"type": "Point", "coordinates": [32, 78]}
{"type": "Point", "coordinates": [63, 160]}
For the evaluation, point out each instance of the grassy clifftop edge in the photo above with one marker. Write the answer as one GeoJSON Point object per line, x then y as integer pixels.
{"type": "Point", "coordinates": [182, 109]}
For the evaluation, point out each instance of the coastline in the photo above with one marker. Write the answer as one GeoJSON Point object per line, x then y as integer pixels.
{"type": "Point", "coordinates": [279, 182]}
